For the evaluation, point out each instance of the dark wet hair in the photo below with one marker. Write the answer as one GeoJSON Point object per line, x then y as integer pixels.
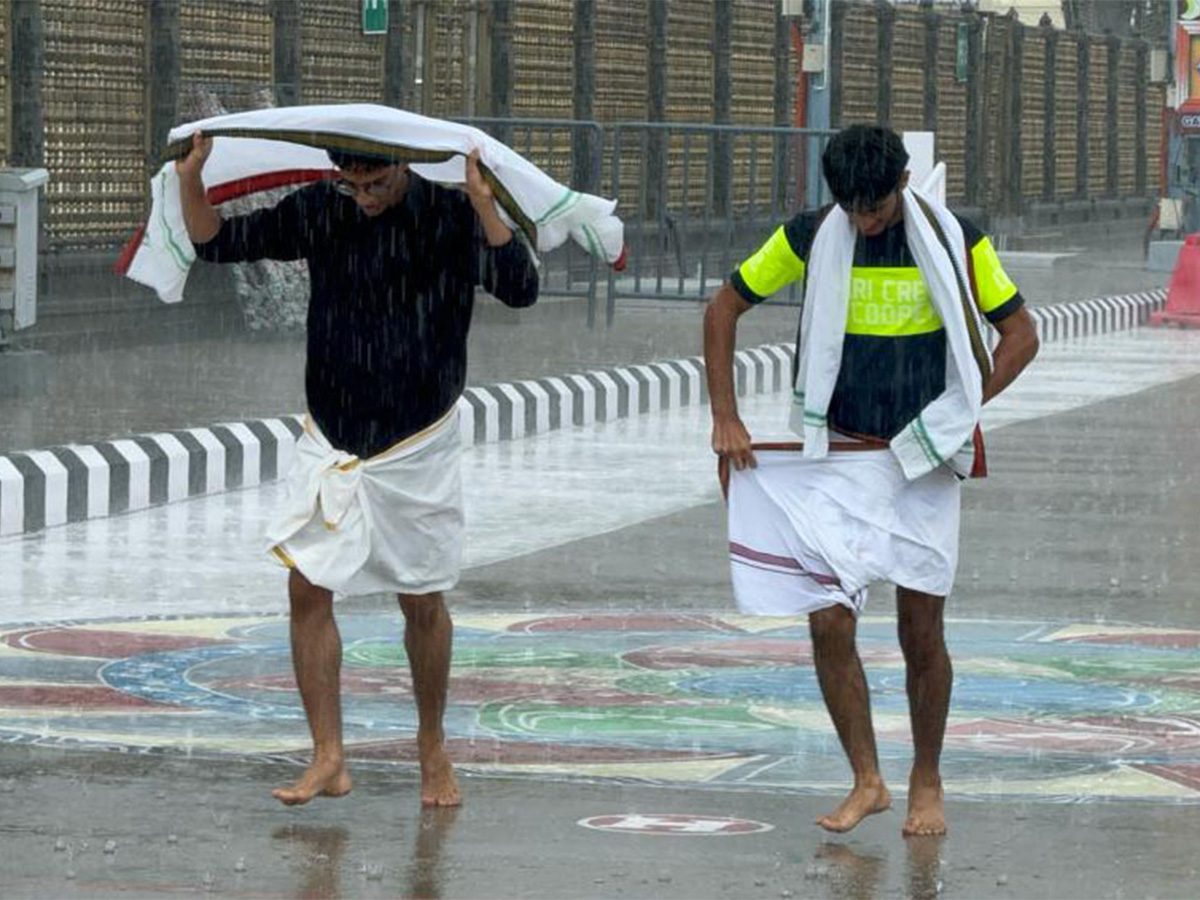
{"type": "Point", "coordinates": [346, 159]}
{"type": "Point", "coordinates": [863, 164]}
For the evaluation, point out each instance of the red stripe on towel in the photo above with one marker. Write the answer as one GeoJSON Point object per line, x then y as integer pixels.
{"type": "Point", "coordinates": [231, 190]}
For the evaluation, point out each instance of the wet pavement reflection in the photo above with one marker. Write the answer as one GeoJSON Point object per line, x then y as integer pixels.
{"type": "Point", "coordinates": [923, 866]}
{"type": "Point", "coordinates": [426, 871]}
{"type": "Point", "coordinates": [320, 852]}
{"type": "Point", "coordinates": [332, 864]}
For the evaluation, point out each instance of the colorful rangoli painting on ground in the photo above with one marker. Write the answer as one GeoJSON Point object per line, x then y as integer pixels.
{"type": "Point", "coordinates": [1061, 712]}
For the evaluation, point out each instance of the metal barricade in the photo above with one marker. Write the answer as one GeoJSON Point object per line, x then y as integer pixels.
{"type": "Point", "coordinates": [569, 151]}
{"type": "Point", "coordinates": [695, 198]}
{"type": "Point", "coordinates": [698, 198]}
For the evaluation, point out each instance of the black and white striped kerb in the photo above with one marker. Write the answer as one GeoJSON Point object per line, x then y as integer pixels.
{"type": "Point", "coordinates": [43, 488]}
{"type": "Point", "coordinates": [505, 412]}
{"type": "Point", "coordinates": [1080, 318]}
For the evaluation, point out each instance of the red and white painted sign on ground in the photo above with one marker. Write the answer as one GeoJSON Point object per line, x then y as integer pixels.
{"type": "Point", "coordinates": [674, 823]}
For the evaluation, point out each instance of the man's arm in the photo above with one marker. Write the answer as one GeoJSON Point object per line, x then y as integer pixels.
{"type": "Point", "coordinates": [775, 264]}
{"type": "Point", "coordinates": [202, 220]}
{"type": "Point", "coordinates": [495, 232]}
{"type": "Point", "coordinates": [508, 273]}
{"type": "Point", "coordinates": [1002, 304]}
{"type": "Point", "coordinates": [279, 232]}
{"type": "Point", "coordinates": [1016, 349]}
{"type": "Point", "coordinates": [730, 439]}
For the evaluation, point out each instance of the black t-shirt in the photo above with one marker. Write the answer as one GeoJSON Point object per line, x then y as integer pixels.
{"type": "Point", "coordinates": [390, 304]}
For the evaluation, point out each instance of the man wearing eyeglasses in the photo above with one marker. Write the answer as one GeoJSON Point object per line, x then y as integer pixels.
{"type": "Point", "coordinates": [374, 498]}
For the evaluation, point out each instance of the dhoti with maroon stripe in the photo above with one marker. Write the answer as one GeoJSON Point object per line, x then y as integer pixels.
{"type": "Point", "coordinates": [805, 534]}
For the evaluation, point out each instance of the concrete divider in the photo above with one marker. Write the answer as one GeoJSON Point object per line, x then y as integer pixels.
{"type": "Point", "coordinates": [45, 488]}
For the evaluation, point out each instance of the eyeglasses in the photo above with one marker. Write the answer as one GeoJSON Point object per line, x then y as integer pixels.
{"type": "Point", "coordinates": [377, 189]}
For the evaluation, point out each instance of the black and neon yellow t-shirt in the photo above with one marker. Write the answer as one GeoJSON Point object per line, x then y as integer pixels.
{"type": "Point", "coordinates": [894, 353]}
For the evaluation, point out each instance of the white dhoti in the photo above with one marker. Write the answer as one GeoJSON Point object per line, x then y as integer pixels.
{"type": "Point", "coordinates": [392, 523]}
{"type": "Point", "coordinates": [805, 534]}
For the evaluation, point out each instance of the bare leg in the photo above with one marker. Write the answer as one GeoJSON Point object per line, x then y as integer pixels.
{"type": "Point", "coordinates": [428, 636]}
{"type": "Point", "coordinates": [844, 687]}
{"type": "Point", "coordinates": [929, 679]}
{"type": "Point", "coordinates": [317, 660]}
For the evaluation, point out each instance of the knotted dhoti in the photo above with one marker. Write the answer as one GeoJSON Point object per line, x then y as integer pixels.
{"type": "Point", "coordinates": [391, 523]}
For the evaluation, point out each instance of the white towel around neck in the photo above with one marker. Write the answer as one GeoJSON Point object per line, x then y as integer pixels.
{"type": "Point", "coordinates": [942, 432]}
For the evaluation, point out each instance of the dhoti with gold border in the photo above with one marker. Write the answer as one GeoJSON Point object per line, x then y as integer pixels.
{"type": "Point", "coordinates": [391, 523]}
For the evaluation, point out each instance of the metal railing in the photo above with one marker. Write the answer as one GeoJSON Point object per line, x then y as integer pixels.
{"type": "Point", "coordinates": [703, 197]}
{"type": "Point", "coordinates": [695, 198]}
{"type": "Point", "coordinates": [569, 151]}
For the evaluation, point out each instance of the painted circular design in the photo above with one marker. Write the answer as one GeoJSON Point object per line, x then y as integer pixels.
{"type": "Point", "coordinates": [1058, 711]}
{"type": "Point", "coordinates": [677, 824]}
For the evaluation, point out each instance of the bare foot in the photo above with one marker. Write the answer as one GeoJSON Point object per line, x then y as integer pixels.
{"type": "Point", "coordinates": [439, 786]}
{"type": "Point", "coordinates": [323, 778]}
{"type": "Point", "coordinates": [864, 800]}
{"type": "Point", "coordinates": [926, 807]}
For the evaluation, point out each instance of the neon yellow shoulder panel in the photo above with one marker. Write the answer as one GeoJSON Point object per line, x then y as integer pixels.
{"type": "Point", "coordinates": [994, 286]}
{"type": "Point", "coordinates": [773, 266]}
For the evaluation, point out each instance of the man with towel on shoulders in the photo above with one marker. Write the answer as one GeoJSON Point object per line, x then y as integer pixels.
{"type": "Point", "coordinates": [891, 372]}
{"type": "Point", "coordinates": [374, 498]}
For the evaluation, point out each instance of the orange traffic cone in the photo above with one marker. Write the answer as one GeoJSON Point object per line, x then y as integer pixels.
{"type": "Point", "coordinates": [1183, 296]}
